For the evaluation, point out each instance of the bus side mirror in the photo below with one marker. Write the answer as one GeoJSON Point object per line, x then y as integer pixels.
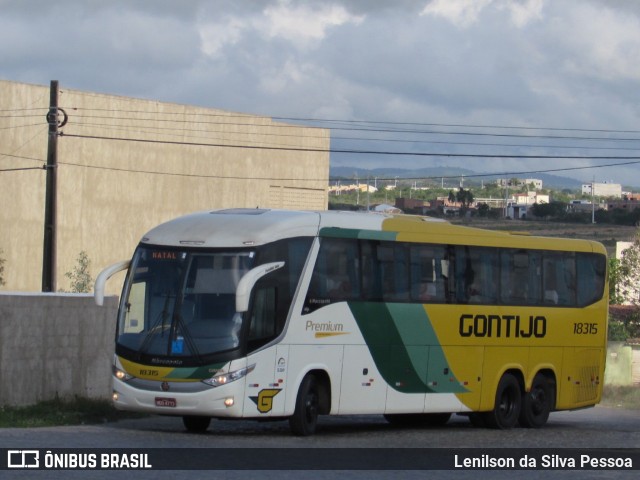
{"type": "Point", "coordinates": [103, 276]}
{"type": "Point", "coordinates": [246, 283]}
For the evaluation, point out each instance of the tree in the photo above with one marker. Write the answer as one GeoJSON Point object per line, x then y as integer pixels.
{"type": "Point", "coordinates": [548, 210]}
{"type": "Point", "coordinates": [81, 281]}
{"type": "Point", "coordinates": [628, 283]}
{"type": "Point", "coordinates": [629, 272]}
{"type": "Point", "coordinates": [614, 277]}
{"type": "Point", "coordinates": [465, 197]}
{"type": "Point", "coordinates": [483, 210]}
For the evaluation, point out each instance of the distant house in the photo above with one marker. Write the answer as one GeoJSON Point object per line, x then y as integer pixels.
{"type": "Point", "coordinates": [629, 202]}
{"type": "Point", "coordinates": [412, 205]}
{"type": "Point", "coordinates": [613, 190]}
{"type": "Point", "coordinates": [520, 203]}
{"type": "Point", "coordinates": [519, 182]}
{"type": "Point", "coordinates": [386, 208]}
{"type": "Point", "coordinates": [585, 206]}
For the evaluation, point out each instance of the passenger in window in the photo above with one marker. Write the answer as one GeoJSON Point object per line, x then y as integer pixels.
{"type": "Point", "coordinates": [339, 289]}
{"type": "Point", "coordinates": [474, 293]}
{"type": "Point", "coordinates": [427, 292]}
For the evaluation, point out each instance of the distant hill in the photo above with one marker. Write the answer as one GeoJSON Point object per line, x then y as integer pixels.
{"type": "Point", "coordinates": [548, 181]}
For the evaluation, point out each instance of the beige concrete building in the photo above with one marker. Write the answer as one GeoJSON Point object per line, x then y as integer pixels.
{"type": "Point", "coordinates": [125, 165]}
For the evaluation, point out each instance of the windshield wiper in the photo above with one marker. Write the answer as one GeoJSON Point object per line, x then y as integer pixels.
{"type": "Point", "coordinates": [162, 317]}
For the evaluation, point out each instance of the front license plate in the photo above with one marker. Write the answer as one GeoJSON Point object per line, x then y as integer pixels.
{"type": "Point", "coordinates": [166, 402]}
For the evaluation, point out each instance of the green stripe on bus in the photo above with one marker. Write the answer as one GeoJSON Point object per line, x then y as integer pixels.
{"type": "Point", "coordinates": [404, 347]}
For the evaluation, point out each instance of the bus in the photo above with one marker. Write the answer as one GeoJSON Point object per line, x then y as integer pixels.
{"type": "Point", "coordinates": [274, 314]}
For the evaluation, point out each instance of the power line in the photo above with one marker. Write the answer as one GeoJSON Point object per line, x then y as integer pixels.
{"type": "Point", "coordinates": [505, 174]}
{"type": "Point", "coordinates": [347, 125]}
{"type": "Point", "coordinates": [23, 126]}
{"type": "Point", "coordinates": [151, 130]}
{"type": "Point", "coordinates": [361, 125]}
{"type": "Point", "coordinates": [631, 160]}
{"type": "Point", "coordinates": [21, 157]}
{"type": "Point", "coordinates": [458, 125]}
{"type": "Point", "coordinates": [357, 122]}
{"type": "Point", "coordinates": [44, 167]}
{"type": "Point", "coordinates": [359, 151]}
{"type": "Point", "coordinates": [330, 179]}
{"type": "Point", "coordinates": [385, 130]}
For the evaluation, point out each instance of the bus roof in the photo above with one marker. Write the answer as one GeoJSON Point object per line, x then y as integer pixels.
{"type": "Point", "coordinates": [247, 227]}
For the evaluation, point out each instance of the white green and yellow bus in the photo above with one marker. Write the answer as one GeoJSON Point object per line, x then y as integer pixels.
{"type": "Point", "coordinates": [272, 314]}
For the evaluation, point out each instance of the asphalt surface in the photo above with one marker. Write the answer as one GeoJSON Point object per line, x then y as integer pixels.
{"type": "Point", "coordinates": [596, 428]}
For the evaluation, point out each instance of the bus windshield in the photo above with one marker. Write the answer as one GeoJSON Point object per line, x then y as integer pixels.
{"type": "Point", "coordinates": [181, 303]}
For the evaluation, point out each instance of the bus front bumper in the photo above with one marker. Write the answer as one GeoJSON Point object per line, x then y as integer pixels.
{"type": "Point", "coordinates": [221, 401]}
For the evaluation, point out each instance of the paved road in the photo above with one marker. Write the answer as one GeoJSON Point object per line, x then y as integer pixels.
{"type": "Point", "coordinates": [599, 427]}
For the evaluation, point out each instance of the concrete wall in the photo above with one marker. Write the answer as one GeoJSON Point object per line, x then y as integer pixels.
{"type": "Point", "coordinates": [55, 345]}
{"type": "Point", "coordinates": [115, 181]}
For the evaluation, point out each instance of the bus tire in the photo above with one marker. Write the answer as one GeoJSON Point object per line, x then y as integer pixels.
{"type": "Point", "coordinates": [506, 410]}
{"type": "Point", "coordinates": [196, 424]}
{"type": "Point", "coordinates": [304, 420]}
{"type": "Point", "coordinates": [537, 403]}
{"type": "Point", "coordinates": [417, 419]}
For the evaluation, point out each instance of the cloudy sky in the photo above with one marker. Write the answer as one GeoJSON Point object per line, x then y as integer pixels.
{"type": "Point", "coordinates": [411, 83]}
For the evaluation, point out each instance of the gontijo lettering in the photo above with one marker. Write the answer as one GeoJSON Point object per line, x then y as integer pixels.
{"type": "Point", "coordinates": [507, 326]}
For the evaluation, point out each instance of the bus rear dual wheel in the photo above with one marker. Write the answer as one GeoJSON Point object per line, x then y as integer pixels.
{"type": "Point", "coordinates": [530, 409]}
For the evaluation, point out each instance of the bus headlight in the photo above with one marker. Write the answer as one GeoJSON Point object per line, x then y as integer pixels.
{"type": "Point", "coordinates": [224, 378]}
{"type": "Point", "coordinates": [121, 374]}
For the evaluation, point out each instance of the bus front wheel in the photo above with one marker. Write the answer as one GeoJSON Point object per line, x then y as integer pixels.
{"type": "Point", "coordinates": [506, 410]}
{"type": "Point", "coordinates": [304, 420]}
{"type": "Point", "coordinates": [537, 403]}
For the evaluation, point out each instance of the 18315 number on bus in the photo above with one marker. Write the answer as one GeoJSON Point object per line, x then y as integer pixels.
{"type": "Point", "coordinates": [584, 328]}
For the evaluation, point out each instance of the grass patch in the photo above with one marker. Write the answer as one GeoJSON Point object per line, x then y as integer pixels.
{"type": "Point", "coordinates": [623, 397]}
{"type": "Point", "coordinates": [77, 411]}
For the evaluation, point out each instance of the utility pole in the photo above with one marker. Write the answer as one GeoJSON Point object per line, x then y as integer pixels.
{"type": "Point", "coordinates": [49, 248]}
{"type": "Point", "coordinates": [593, 205]}
{"type": "Point", "coordinates": [368, 202]}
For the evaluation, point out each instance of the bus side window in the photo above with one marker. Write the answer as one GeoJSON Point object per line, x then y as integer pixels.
{"type": "Point", "coordinates": [484, 288]}
{"type": "Point", "coordinates": [336, 274]}
{"type": "Point", "coordinates": [371, 275]}
{"type": "Point", "coordinates": [559, 278]}
{"type": "Point", "coordinates": [466, 274]}
{"type": "Point", "coordinates": [263, 326]}
{"type": "Point", "coordinates": [514, 281]}
{"type": "Point", "coordinates": [392, 258]}
{"type": "Point", "coordinates": [591, 275]}
{"type": "Point", "coordinates": [427, 279]}
{"type": "Point", "coordinates": [476, 275]}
